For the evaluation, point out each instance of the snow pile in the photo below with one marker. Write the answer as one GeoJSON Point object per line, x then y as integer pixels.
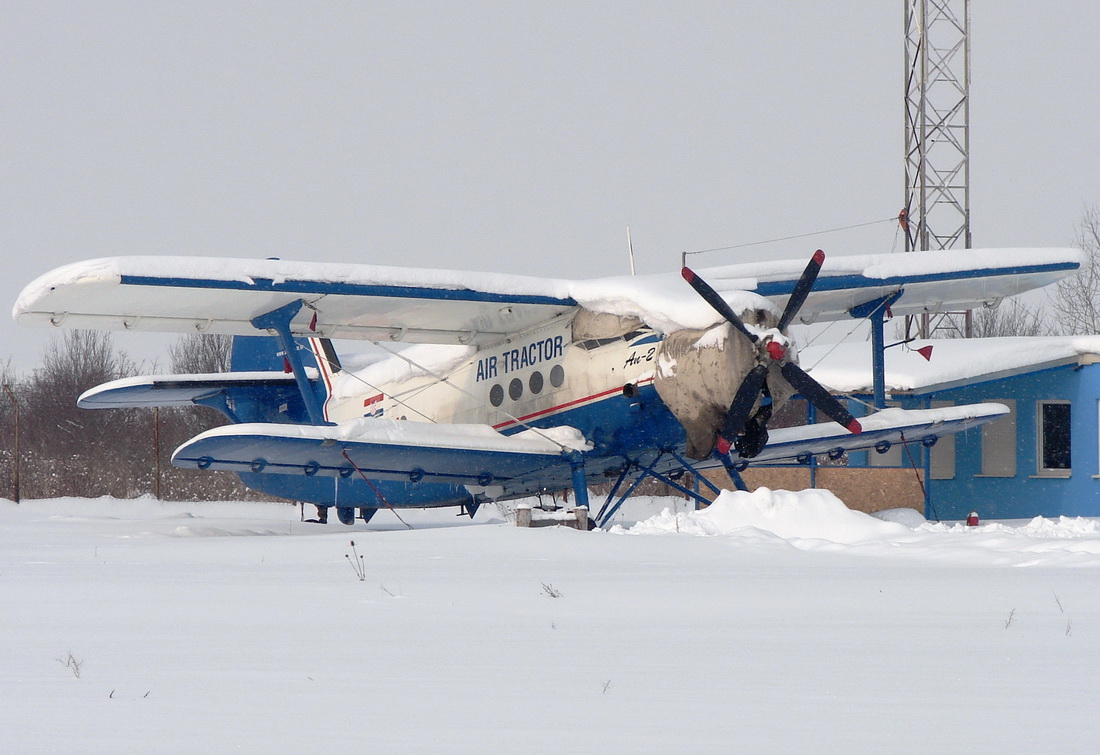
{"type": "Point", "coordinates": [807, 514]}
{"type": "Point", "coordinates": [909, 517]}
{"type": "Point", "coordinates": [816, 520]}
{"type": "Point", "coordinates": [1064, 527]}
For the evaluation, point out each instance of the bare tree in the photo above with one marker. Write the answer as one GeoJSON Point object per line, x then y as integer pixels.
{"type": "Point", "coordinates": [68, 451]}
{"type": "Point", "coordinates": [1008, 317]}
{"type": "Point", "coordinates": [1076, 301]}
{"type": "Point", "coordinates": [10, 411]}
{"type": "Point", "coordinates": [71, 451]}
{"type": "Point", "coordinates": [200, 353]}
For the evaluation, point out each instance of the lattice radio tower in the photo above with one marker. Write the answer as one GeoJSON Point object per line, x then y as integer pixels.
{"type": "Point", "coordinates": [937, 138]}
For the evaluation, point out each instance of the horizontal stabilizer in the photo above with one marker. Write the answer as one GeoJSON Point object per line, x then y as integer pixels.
{"type": "Point", "coordinates": [178, 390]}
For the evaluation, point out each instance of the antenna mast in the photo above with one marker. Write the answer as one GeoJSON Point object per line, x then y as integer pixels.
{"type": "Point", "coordinates": [937, 135]}
{"type": "Point", "coordinates": [630, 249]}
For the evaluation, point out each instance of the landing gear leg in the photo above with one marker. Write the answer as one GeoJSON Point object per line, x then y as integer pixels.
{"type": "Point", "coordinates": [580, 483]}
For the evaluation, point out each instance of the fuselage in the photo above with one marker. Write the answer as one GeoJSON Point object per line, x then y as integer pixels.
{"type": "Point", "coordinates": [548, 377]}
{"type": "Point", "coordinates": [600, 386]}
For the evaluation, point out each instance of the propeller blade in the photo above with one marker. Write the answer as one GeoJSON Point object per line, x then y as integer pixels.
{"type": "Point", "coordinates": [801, 290]}
{"type": "Point", "coordinates": [742, 404]}
{"type": "Point", "coordinates": [713, 299]}
{"type": "Point", "coordinates": [816, 394]}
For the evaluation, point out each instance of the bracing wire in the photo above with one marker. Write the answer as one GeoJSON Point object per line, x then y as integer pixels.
{"type": "Point", "coordinates": [440, 378]}
{"type": "Point", "coordinates": [789, 238]}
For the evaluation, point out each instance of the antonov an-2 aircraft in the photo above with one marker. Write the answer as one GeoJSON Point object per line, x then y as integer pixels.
{"type": "Point", "coordinates": [534, 385]}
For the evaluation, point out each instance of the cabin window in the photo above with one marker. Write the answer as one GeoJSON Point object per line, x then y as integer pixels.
{"type": "Point", "coordinates": [999, 443]}
{"type": "Point", "coordinates": [535, 382]}
{"type": "Point", "coordinates": [515, 389]}
{"type": "Point", "coordinates": [557, 376]}
{"type": "Point", "coordinates": [941, 457]}
{"type": "Point", "coordinates": [1054, 438]}
{"type": "Point", "coordinates": [496, 395]}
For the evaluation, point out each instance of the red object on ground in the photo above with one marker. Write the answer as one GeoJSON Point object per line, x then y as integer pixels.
{"type": "Point", "coordinates": [972, 520]}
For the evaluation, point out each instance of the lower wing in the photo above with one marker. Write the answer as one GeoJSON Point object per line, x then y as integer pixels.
{"type": "Point", "coordinates": [880, 430]}
{"type": "Point", "coordinates": [378, 449]}
{"type": "Point", "coordinates": [478, 456]}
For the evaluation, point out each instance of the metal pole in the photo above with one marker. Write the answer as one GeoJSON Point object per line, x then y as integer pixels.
{"type": "Point", "coordinates": [156, 452]}
{"type": "Point", "coordinates": [15, 443]}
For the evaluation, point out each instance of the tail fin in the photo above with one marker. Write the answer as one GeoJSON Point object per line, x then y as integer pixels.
{"type": "Point", "coordinates": [264, 354]}
{"type": "Point", "coordinates": [261, 354]}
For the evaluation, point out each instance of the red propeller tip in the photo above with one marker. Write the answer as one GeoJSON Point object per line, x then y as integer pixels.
{"type": "Point", "coordinates": [819, 256]}
{"type": "Point", "coordinates": [688, 274]}
{"type": "Point", "coordinates": [723, 446]}
{"type": "Point", "coordinates": [854, 427]}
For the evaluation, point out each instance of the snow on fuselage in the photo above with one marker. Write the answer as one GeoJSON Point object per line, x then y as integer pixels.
{"type": "Point", "coordinates": [543, 378]}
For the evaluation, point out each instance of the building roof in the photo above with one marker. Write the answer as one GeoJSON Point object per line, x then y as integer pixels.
{"type": "Point", "coordinates": [846, 368]}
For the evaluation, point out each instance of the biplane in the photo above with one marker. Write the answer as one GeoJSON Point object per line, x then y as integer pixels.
{"type": "Point", "coordinates": [499, 387]}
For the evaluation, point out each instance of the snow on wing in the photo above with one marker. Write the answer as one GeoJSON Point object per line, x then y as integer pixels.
{"type": "Point", "coordinates": [380, 450]}
{"type": "Point", "coordinates": [213, 295]}
{"type": "Point", "coordinates": [216, 295]}
{"type": "Point", "coordinates": [888, 426]}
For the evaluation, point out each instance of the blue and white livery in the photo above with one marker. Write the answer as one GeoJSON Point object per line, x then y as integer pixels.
{"type": "Point", "coordinates": [507, 386]}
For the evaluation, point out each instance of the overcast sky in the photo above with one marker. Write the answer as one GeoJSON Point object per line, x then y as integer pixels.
{"type": "Point", "coordinates": [520, 137]}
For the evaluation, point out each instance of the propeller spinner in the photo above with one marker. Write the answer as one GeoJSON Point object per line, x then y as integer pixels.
{"type": "Point", "coordinates": [771, 347]}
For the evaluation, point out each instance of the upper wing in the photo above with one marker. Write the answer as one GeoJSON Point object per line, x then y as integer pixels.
{"type": "Point", "coordinates": [938, 281]}
{"type": "Point", "coordinates": [185, 294]}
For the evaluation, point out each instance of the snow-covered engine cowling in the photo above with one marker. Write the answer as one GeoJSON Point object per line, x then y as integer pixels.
{"type": "Point", "coordinates": [699, 371]}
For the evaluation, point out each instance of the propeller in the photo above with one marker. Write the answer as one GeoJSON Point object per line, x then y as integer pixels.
{"type": "Point", "coordinates": [770, 349]}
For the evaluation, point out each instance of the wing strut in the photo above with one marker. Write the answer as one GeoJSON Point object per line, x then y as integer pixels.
{"type": "Point", "coordinates": [278, 321]}
{"type": "Point", "coordinates": [875, 311]}
{"type": "Point", "coordinates": [609, 510]}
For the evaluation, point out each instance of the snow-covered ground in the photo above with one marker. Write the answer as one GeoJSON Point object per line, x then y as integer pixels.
{"type": "Point", "coordinates": [772, 622]}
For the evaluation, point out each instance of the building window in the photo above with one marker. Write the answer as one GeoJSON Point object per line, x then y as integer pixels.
{"type": "Point", "coordinates": [895, 456]}
{"type": "Point", "coordinates": [999, 443]}
{"type": "Point", "coordinates": [941, 460]}
{"type": "Point", "coordinates": [1054, 438]}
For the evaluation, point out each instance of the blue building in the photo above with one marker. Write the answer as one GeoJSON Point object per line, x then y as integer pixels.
{"type": "Point", "coordinates": [1043, 459]}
